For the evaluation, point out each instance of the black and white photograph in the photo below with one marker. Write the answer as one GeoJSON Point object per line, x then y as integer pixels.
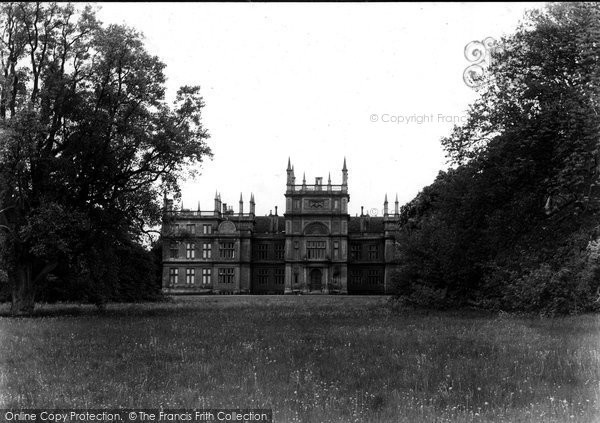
{"type": "Point", "coordinates": [320, 212]}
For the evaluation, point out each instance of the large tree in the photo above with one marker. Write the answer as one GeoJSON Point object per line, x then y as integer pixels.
{"type": "Point", "coordinates": [87, 142]}
{"type": "Point", "coordinates": [521, 203]}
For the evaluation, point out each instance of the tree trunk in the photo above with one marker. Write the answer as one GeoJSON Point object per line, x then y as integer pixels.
{"type": "Point", "coordinates": [23, 292]}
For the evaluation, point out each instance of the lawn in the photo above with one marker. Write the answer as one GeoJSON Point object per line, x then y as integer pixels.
{"type": "Point", "coordinates": [309, 358]}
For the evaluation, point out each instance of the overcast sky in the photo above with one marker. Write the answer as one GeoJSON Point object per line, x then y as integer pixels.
{"type": "Point", "coordinates": [317, 83]}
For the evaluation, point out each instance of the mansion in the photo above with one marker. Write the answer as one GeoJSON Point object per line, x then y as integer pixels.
{"type": "Point", "coordinates": [314, 247]}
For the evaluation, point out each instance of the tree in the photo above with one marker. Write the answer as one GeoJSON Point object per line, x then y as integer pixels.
{"type": "Point", "coordinates": [521, 203]}
{"type": "Point", "coordinates": [88, 142]}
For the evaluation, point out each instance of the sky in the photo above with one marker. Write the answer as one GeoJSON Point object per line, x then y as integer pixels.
{"type": "Point", "coordinates": [377, 83]}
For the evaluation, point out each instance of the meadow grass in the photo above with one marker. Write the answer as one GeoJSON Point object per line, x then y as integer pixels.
{"type": "Point", "coordinates": [309, 358]}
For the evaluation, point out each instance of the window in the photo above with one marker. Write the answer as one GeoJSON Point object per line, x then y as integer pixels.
{"type": "Point", "coordinates": [280, 251]}
{"type": "Point", "coordinates": [373, 252]}
{"type": "Point", "coordinates": [355, 277]}
{"type": "Point", "coordinates": [206, 250]}
{"type": "Point", "coordinates": [173, 276]}
{"type": "Point", "coordinates": [174, 248]}
{"type": "Point", "coordinates": [262, 251]}
{"type": "Point", "coordinates": [190, 250]}
{"type": "Point", "coordinates": [191, 228]}
{"type": "Point", "coordinates": [263, 276]}
{"type": "Point", "coordinates": [336, 204]}
{"type": "Point", "coordinates": [176, 229]}
{"type": "Point", "coordinates": [189, 276]}
{"type": "Point", "coordinates": [296, 245]}
{"type": "Point", "coordinates": [336, 249]}
{"type": "Point", "coordinates": [296, 205]}
{"type": "Point", "coordinates": [335, 226]}
{"type": "Point", "coordinates": [315, 249]}
{"type": "Point", "coordinates": [227, 250]}
{"type": "Point", "coordinates": [225, 275]}
{"type": "Point", "coordinates": [373, 277]}
{"type": "Point", "coordinates": [207, 229]}
{"type": "Point", "coordinates": [206, 273]}
{"type": "Point", "coordinates": [279, 276]}
{"type": "Point", "coordinates": [355, 251]}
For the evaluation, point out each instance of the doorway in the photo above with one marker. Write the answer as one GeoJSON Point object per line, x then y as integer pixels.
{"type": "Point", "coordinates": [315, 280]}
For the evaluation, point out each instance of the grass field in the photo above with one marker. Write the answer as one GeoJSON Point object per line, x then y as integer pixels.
{"type": "Point", "coordinates": [309, 358]}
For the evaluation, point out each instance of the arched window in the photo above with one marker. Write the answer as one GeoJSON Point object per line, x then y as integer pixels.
{"type": "Point", "coordinates": [316, 228]}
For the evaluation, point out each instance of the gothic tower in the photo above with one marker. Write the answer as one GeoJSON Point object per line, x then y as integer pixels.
{"type": "Point", "coordinates": [316, 220]}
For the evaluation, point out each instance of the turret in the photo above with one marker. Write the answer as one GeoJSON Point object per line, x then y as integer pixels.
{"type": "Point", "coordinates": [344, 174]}
{"type": "Point", "coordinates": [241, 205]}
{"type": "Point", "coordinates": [167, 203]}
{"type": "Point", "coordinates": [385, 206]}
{"type": "Point", "coordinates": [290, 174]}
{"type": "Point", "coordinates": [396, 207]}
{"type": "Point", "coordinates": [217, 202]}
{"type": "Point", "coordinates": [252, 205]}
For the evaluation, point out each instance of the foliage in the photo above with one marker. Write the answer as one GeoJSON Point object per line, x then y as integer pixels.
{"type": "Point", "coordinates": [137, 278]}
{"type": "Point", "coordinates": [507, 227]}
{"type": "Point", "coordinates": [88, 144]}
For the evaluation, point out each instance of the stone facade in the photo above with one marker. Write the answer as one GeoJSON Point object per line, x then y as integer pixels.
{"type": "Point", "coordinates": [315, 247]}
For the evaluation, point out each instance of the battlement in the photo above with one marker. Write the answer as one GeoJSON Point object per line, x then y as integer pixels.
{"type": "Point", "coordinates": [204, 213]}
{"type": "Point", "coordinates": [318, 188]}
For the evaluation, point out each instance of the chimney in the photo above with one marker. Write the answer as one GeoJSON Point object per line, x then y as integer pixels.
{"type": "Point", "coordinates": [362, 219]}
{"type": "Point", "coordinates": [273, 221]}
